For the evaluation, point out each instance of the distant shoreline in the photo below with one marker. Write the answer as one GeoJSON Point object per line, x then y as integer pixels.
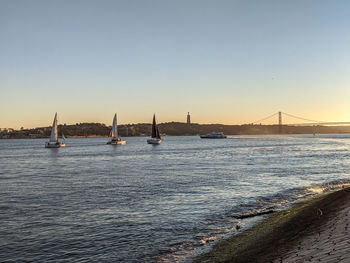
{"type": "Point", "coordinates": [168, 135]}
{"type": "Point", "coordinates": [80, 130]}
{"type": "Point", "coordinates": [276, 239]}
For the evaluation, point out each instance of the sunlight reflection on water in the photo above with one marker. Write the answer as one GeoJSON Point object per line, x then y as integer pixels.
{"type": "Point", "coordinates": [139, 203]}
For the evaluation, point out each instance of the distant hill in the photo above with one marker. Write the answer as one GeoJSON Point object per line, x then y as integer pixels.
{"type": "Point", "coordinates": [170, 128]}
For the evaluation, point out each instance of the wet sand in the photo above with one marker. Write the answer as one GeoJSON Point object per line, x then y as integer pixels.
{"type": "Point", "coordinates": [316, 230]}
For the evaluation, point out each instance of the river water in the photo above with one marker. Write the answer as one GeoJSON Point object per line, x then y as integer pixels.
{"type": "Point", "coordinates": [92, 202]}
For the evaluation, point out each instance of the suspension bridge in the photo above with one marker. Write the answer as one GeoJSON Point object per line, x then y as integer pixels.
{"type": "Point", "coordinates": [304, 122]}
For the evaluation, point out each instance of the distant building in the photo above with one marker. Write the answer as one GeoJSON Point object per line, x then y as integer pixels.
{"type": "Point", "coordinates": [188, 118]}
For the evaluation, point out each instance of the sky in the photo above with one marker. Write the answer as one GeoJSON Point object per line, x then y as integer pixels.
{"type": "Point", "coordinates": [229, 62]}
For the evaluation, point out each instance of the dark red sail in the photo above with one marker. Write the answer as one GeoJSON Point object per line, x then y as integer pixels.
{"type": "Point", "coordinates": [158, 134]}
{"type": "Point", "coordinates": [154, 131]}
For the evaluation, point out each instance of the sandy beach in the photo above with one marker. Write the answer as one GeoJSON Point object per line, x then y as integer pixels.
{"type": "Point", "coordinates": [315, 230]}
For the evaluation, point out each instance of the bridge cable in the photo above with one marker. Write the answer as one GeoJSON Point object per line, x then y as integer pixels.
{"type": "Point", "coordinates": [258, 121]}
{"type": "Point", "coordinates": [290, 115]}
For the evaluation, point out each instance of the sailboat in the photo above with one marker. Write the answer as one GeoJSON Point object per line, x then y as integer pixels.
{"type": "Point", "coordinates": [53, 142]}
{"type": "Point", "coordinates": [115, 138]}
{"type": "Point", "coordinates": [155, 138]}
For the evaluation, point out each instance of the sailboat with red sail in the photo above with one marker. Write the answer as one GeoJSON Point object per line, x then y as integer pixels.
{"type": "Point", "coordinates": [155, 137]}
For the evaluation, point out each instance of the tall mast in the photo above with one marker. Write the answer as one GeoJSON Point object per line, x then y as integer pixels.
{"type": "Point", "coordinates": [154, 131]}
{"type": "Point", "coordinates": [54, 135]}
{"type": "Point", "coordinates": [114, 127]}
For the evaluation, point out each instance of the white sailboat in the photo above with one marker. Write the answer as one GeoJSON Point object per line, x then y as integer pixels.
{"type": "Point", "coordinates": [155, 137]}
{"type": "Point", "coordinates": [53, 142]}
{"type": "Point", "coordinates": [116, 140]}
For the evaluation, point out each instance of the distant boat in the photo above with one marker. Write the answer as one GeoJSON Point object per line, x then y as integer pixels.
{"type": "Point", "coordinates": [53, 142]}
{"type": "Point", "coordinates": [155, 137]}
{"type": "Point", "coordinates": [116, 140]}
{"type": "Point", "coordinates": [214, 135]}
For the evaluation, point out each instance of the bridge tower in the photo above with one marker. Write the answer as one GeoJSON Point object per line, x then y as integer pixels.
{"type": "Point", "coordinates": [280, 118]}
{"type": "Point", "coordinates": [279, 122]}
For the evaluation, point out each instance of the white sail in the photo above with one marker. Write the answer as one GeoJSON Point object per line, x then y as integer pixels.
{"type": "Point", "coordinates": [116, 140]}
{"type": "Point", "coordinates": [114, 127]}
{"type": "Point", "coordinates": [54, 135]}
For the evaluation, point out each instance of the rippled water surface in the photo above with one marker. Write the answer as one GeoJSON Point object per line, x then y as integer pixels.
{"type": "Point", "coordinates": [142, 203]}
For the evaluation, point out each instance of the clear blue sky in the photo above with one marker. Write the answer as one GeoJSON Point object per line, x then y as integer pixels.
{"type": "Point", "coordinates": [223, 61]}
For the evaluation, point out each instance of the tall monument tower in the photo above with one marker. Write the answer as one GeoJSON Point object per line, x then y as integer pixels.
{"type": "Point", "coordinates": [188, 118]}
{"type": "Point", "coordinates": [279, 122]}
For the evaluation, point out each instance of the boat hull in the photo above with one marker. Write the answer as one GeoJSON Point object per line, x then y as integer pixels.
{"type": "Point", "coordinates": [121, 142]}
{"type": "Point", "coordinates": [214, 135]}
{"type": "Point", "coordinates": [209, 137]}
{"type": "Point", "coordinates": [54, 145]}
{"type": "Point", "coordinates": [154, 141]}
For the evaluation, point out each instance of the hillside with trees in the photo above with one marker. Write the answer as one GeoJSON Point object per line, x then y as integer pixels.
{"type": "Point", "coordinates": [171, 129]}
